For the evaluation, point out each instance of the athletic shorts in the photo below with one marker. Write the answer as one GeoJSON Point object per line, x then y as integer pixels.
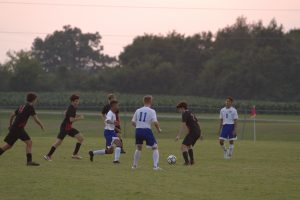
{"type": "Point", "coordinates": [145, 134]}
{"type": "Point", "coordinates": [227, 132]}
{"type": "Point", "coordinates": [15, 134]}
{"type": "Point", "coordinates": [110, 136]}
{"type": "Point", "coordinates": [63, 133]}
{"type": "Point", "coordinates": [190, 139]}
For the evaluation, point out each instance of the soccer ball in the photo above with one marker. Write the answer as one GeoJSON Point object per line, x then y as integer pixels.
{"type": "Point", "coordinates": [171, 159]}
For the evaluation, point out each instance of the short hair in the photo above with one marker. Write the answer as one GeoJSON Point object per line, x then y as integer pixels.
{"type": "Point", "coordinates": [147, 99]}
{"type": "Point", "coordinates": [74, 97]}
{"type": "Point", "coordinates": [113, 102]}
{"type": "Point", "coordinates": [182, 104]}
{"type": "Point", "coordinates": [230, 98]}
{"type": "Point", "coordinates": [111, 96]}
{"type": "Point", "coordinates": [31, 96]}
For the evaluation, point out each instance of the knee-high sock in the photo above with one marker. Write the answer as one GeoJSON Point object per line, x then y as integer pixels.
{"type": "Point", "coordinates": [136, 157]}
{"type": "Point", "coordinates": [29, 157]}
{"type": "Point", "coordinates": [191, 154]}
{"type": "Point", "coordinates": [117, 153]}
{"type": "Point", "coordinates": [186, 157]}
{"type": "Point", "coordinates": [77, 147]}
{"type": "Point", "coordinates": [51, 151]}
{"type": "Point", "coordinates": [100, 152]}
{"type": "Point", "coordinates": [231, 147]}
{"type": "Point", "coordinates": [155, 157]}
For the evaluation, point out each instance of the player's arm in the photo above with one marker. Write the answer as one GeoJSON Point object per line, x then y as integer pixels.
{"type": "Point", "coordinates": [133, 121]}
{"type": "Point", "coordinates": [181, 130]}
{"type": "Point", "coordinates": [235, 127]}
{"type": "Point", "coordinates": [109, 119]}
{"type": "Point", "coordinates": [38, 122]}
{"type": "Point", "coordinates": [76, 118]}
{"type": "Point", "coordinates": [157, 126]}
{"type": "Point", "coordinates": [221, 125]}
{"type": "Point", "coordinates": [11, 118]}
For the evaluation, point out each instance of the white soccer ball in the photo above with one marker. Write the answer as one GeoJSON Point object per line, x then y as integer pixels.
{"type": "Point", "coordinates": [171, 159]}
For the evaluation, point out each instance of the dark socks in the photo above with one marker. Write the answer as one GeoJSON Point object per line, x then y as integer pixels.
{"type": "Point", "coordinates": [1, 151]}
{"type": "Point", "coordinates": [77, 147]}
{"type": "Point", "coordinates": [29, 157]}
{"type": "Point", "coordinates": [51, 151]}
{"type": "Point", "coordinates": [186, 157]}
{"type": "Point", "coordinates": [191, 154]}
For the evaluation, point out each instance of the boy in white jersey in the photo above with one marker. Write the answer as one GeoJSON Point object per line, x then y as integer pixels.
{"type": "Point", "coordinates": [110, 135]}
{"type": "Point", "coordinates": [228, 126]}
{"type": "Point", "coordinates": [142, 121]}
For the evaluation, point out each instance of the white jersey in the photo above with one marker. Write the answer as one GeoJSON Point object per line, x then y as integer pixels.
{"type": "Point", "coordinates": [144, 117]}
{"type": "Point", "coordinates": [110, 116]}
{"type": "Point", "coordinates": [228, 115]}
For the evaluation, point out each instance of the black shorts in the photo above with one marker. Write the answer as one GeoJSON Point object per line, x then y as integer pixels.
{"type": "Point", "coordinates": [63, 133]}
{"type": "Point", "coordinates": [15, 134]}
{"type": "Point", "coordinates": [190, 139]}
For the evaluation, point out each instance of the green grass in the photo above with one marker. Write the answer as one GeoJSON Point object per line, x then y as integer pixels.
{"type": "Point", "coordinates": [268, 169]}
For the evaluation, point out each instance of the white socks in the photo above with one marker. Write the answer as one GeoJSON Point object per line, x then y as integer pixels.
{"type": "Point", "coordinates": [99, 152]}
{"type": "Point", "coordinates": [231, 147]}
{"type": "Point", "coordinates": [136, 157]}
{"type": "Point", "coordinates": [117, 153]}
{"type": "Point", "coordinates": [155, 157]}
{"type": "Point", "coordinates": [223, 147]}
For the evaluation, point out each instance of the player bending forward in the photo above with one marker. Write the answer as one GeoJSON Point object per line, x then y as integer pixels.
{"type": "Point", "coordinates": [190, 122]}
{"type": "Point", "coordinates": [228, 125]}
{"type": "Point", "coordinates": [142, 121]}
{"type": "Point", "coordinates": [110, 135]}
{"type": "Point", "coordinates": [66, 129]}
{"type": "Point", "coordinates": [17, 123]}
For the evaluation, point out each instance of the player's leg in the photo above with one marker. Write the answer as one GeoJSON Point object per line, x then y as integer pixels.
{"type": "Point", "coordinates": [185, 154]}
{"type": "Point", "coordinates": [27, 140]}
{"type": "Point", "coordinates": [4, 148]}
{"type": "Point", "coordinates": [151, 142]}
{"type": "Point", "coordinates": [118, 144]}
{"type": "Point", "coordinates": [80, 139]}
{"type": "Point", "coordinates": [190, 148]}
{"type": "Point", "coordinates": [232, 138]}
{"type": "Point", "coordinates": [9, 140]}
{"type": "Point", "coordinates": [137, 155]}
{"type": "Point", "coordinates": [222, 138]}
{"type": "Point", "coordinates": [57, 143]}
{"type": "Point", "coordinates": [109, 148]}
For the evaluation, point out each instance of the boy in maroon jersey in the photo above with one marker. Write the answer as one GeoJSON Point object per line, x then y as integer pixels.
{"type": "Point", "coordinates": [67, 129]}
{"type": "Point", "coordinates": [17, 123]}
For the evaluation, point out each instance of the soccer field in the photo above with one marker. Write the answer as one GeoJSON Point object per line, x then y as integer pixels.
{"type": "Point", "coordinates": [268, 169]}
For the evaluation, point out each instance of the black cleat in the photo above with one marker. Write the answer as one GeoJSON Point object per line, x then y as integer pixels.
{"type": "Point", "coordinates": [186, 164]}
{"type": "Point", "coordinates": [32, 164]}
{"type": "Point", "coordinates": [122, 151]}
{"type": "Point", "coordinates": [192, 162]}
{"type": "Point", "coordinates": [91, 156]}
{"type": "Point", "coordinates": [116, 162]}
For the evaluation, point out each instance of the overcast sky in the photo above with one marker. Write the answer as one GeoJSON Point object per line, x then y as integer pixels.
{"type": "Point", "coordinates": [120, 21]}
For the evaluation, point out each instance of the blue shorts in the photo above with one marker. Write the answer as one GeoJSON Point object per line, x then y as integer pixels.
{"type": "Point", "coordinates": [110, 137]}
{"type": "Point", "coordinates": [227, 132]}
{"type": "Point", "coordinates": [145, 134]}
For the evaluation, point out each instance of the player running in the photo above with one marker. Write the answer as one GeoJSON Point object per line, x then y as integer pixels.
{"type": "Point", "coordinates": [104, 112]}
{"type": "Point", "coordinates": [110, 135]}
{"type": "Point", "coordinates": [17, 123]}
{"type": "Point", "coordinates": [228, 126]}
{"type": "Point", "coordinates": [190, 122]}
{"type": "Point", "coordinates": [67, 129]}
{"type": "Point", "coordinates": [142, 121]}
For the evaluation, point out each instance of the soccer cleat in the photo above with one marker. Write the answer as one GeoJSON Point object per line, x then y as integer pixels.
{"type": "Point", "coordinates": [122, 151]}
{"type": "Point", "coordinates": [192, 162]}
{"type": "Point", "coordinates": [157, 168]}
{"type": "Point", "coordinates": [134, 167]}
{"type": "Point", "coordinates": [186, 164]}
{"type": "Point", "coordinates": [48, 158]}
{"type": "Point", "coordinates": [91, 153]}
{"type": "Point", "coordinates": [77, 157]}
{"type": "Point", "coordinates": [225, 154]}
{"type": "Point", "coordinates": [32, 164]}
{"type": "Point", "coordinates": [116, 162]}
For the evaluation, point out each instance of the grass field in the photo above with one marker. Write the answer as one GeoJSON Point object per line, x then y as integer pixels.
{"type": "Point", "coordinates": [268, 169]}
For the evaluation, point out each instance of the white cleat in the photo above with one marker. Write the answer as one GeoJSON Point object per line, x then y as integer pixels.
{"type": "Point", "coordinates": [48, 158]}
{"type": "Point", "coordinates": [157, 168]}
{"type": "Point", "coordinates": [226, 157]}
{"type": "Point", "coordinates": [134, 167]}
{"type": "Point", "coordinates": [77, 157]}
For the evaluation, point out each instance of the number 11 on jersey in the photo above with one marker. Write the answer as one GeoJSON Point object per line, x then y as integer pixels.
{"type": "Point", "coordinates": [142, 119]}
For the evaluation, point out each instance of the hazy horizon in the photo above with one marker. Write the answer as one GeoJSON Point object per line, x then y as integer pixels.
{"type": "Point", "coordinates": [118, 22]}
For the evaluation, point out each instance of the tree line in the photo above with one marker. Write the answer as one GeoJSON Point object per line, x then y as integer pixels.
{"type": "Point", "coordinates": [245, 60]}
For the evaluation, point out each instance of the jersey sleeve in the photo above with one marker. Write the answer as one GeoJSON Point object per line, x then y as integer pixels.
{"type": "Point", "coordinates": [221, 116]}
{"type": "Point", "coordinates": [109, 116]}
{"type": "Point", "coordinates": [32, 111]}
{"type": "Point", "coordinates": [184, 117]}
{"type": "Point", "coordinates": [235, 115]}
{"type": "Point", "coordinates": [134, 117]}
{"type": "Point", "coordinates": [105, 109]}
{"type": "Point", "coordinates": [154, 116]}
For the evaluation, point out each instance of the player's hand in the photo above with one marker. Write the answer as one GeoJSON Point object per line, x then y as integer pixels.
{"type": "Point", "coordinates": [201, 137]}
{"type": "Point", "coordinates": [42, 127]}
{"type": "Point", "coordinates": [159, 130]}
{"type": "Point", "coordinates": [116, 123]}
{"type": "Point", "coordinates": [81, 117]}
{"type": "Point", "coordinates": [177, 138]}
